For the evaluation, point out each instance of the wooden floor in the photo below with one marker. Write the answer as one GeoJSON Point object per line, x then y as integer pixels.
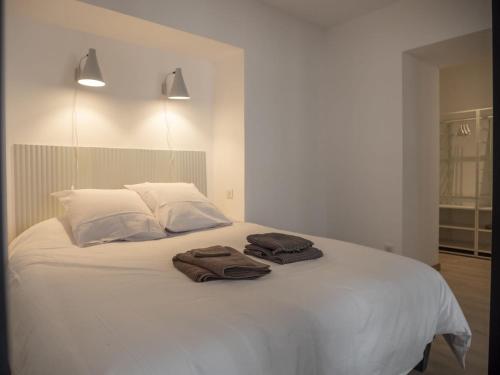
{"type": "Point", "coordinates": [469, 278]}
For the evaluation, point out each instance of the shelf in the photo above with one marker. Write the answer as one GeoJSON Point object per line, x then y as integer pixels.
{"type": "Point", "coordinates": [484, 248]}
{"type": "Point", "coordinates": [484, 230]}
{"type": "Point", "coordinates": [464, 158]}
{"type": "Point", "coordinates": [470, 254]}
{"type": "Point", "coordinates": [459, 245]}
{"type": "Point", "coordinates": [465, 200]}
{"type": "Point", "coordinates": [456, 227]}
{"type": "Point", "coordinates": [467, 253]}
{"type": "Point", "coordinates": [456, 207]}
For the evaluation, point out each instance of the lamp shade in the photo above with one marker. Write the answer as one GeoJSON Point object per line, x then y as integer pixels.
{"type": "Point", "coordinates": [90, 74]}
{"type": "Point", "coordinates": [178, 90]}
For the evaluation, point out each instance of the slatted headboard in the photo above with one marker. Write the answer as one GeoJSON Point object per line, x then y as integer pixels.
{"type": "Point", "coordinates": [40, 170]}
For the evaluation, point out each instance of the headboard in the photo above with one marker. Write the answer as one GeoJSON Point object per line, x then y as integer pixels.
{"type": "Point", "coordinates": [40, 170]}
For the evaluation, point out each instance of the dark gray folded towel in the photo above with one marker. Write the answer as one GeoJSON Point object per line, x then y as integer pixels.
{"type": "Point", "coordinates": [279, 242]}
{"type": "Point", "coordinates": [283, 257]}
{"type": "Point", "coordinates": [214, 251]}
{"type": "Point", "coordinates": [195, 273]}
{"type": "Point", "coordinates": [230, 264]}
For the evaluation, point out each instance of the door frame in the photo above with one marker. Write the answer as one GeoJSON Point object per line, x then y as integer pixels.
{"type": "Point", "coordinates": [494, 347]}
{"type": "Point", "coordinates": [4, 366]}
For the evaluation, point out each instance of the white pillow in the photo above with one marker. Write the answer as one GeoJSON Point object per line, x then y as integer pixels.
{"type": "Point", "coordinates": [97, 216]}
{"type": "Point", "coordinates": [180, 207]}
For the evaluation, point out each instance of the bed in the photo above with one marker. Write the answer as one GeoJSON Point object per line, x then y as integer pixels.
{"type": "Point", "coordinates": [122, 308]}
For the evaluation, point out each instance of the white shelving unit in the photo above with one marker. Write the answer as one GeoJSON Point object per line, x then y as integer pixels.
{"type": "Point", "coordinates": [465, 169]}
{"type": "Point", "coordinates": [464, 230]}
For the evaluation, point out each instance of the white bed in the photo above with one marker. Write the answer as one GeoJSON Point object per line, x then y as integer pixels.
{"type": "Point", "coordinates": [122, 308]}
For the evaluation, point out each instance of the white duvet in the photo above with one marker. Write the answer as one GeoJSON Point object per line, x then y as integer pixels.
{"type": "Point", "coordinates": [122, 308]}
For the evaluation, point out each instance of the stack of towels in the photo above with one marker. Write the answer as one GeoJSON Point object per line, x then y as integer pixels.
{"type": "Point", "coordinates": [218, 262]}
{"type": "Point", "coordinates": [224, 262]}
{"type": "Point", "coordinates": [281, 248]}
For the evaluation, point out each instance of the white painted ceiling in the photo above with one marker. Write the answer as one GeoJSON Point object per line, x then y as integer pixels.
{"type": "Point", "coordinates": [326, 13]}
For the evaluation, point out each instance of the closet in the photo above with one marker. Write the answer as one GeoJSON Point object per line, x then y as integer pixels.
{"type": "Point", "coordinates": [466, 182]}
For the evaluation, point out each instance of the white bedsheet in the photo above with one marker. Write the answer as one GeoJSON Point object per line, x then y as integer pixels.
{"type": "Point", "coordinates": [122, 308]}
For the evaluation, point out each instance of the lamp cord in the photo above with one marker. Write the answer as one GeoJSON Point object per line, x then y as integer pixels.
{"type": "Point", "coordinates": [167, 126]}
{"type": "Point", "coordinates": [74, 140]}
{"type": "Point", "coordinates": [167, 131]}
{"type": "Point", "coordinates": [74, 129]}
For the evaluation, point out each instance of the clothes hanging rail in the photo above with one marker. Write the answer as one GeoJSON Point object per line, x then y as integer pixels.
{"type": "Point", "coordinates": [464, 119]}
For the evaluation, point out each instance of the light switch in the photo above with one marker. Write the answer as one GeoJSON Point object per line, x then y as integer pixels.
{"type": "Point", "coordinates": [229, 194]}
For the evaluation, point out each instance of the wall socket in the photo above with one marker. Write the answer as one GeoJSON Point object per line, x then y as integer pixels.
{"type": "Point", "coordinates": [389, 248]}
{"type": "Point", "coordinates": [229, 194]}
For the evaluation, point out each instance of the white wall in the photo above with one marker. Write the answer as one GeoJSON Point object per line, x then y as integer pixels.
{"type": "Point", "coordinates": [282, 106]}
{"type": "Point", "coordinates": [127, 112]}
{"type": "Point", "coordinates": [228, 137]}
{"type": "Point", "coordinates": [363, 133]}
{"type": "Point", "coordinates": [420, 160]}
{"type": "Point", "coordinates": [466, 86]}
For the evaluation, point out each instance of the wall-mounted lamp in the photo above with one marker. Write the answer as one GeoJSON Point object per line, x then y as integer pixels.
{"type": "Point", "coordinates": [90, 74]}
{"type": "Point", "coordinates": [177, 90]}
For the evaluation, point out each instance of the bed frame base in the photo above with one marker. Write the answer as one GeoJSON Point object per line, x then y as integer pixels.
{"type": "Point", "coordinates": [422, 365]}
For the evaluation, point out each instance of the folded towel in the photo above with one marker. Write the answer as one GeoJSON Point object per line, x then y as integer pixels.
{"type": "Point", "coordinates": [283, 257]}
{"type": "Point", "coordinates": [279, 242]}
{"type": "Point", "coordinates": [195, 273]}
{"type": "Point", "coordinates": [214, 251]}
{"type": "Point", "coordinates": [231, 264]}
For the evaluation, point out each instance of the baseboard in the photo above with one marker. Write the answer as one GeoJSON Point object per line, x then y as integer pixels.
{"type": "Point", "coordinates": [437, 267]}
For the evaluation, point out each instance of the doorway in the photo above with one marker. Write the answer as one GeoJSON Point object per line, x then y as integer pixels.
{"type": "Point", "coordinates": [448, 152]}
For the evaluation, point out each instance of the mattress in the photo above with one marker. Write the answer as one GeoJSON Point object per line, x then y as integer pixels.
{"type": "Point", "coordinates": [122, 308]}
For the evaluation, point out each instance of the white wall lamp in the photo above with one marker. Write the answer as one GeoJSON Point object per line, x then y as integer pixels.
{"type": "Point", "coordinates": [178, 89]}
{"type": "Point", "coordinates": [90, 74]}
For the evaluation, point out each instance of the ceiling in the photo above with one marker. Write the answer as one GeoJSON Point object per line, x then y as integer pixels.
{"type": "Point", "coordinates": [326, 13]}
{"type": "Point", "coordinates": [465, 49]}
